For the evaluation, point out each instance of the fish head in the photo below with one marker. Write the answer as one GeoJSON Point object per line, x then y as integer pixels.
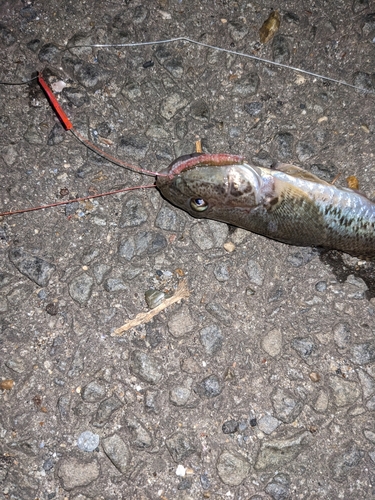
{"type": "Point", "coordinates": [211, 186]}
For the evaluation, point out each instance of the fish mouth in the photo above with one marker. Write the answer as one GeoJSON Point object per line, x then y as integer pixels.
{"type": "Point", "coordinates": [187, 162]}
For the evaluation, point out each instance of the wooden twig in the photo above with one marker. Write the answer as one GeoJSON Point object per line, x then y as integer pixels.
{"type": "Point", "coordinates": [182, 292]}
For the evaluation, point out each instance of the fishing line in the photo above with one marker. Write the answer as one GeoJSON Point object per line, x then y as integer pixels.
{"type": "Point", "coordinates": [20, 83]}
{"type": "Point", "coordinates": [212, 47]}
{"type": "Point", "coordinates": [75, 200]}
{"type": "Point", "coordinates": [233, 52]}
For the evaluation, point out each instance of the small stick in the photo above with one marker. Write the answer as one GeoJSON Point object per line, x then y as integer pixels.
{"type": "Point", "coordinates": [336, 178]}
{"type": "Point", "coordinates": [182, 292]}
{"type": "Point", "coordinates": [198, 146]}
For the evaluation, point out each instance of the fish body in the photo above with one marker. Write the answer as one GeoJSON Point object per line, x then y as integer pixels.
{"type": "Point", "coordinates": [285, 203]}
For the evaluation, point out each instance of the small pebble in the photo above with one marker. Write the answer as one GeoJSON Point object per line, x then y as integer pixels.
{"type": "Point", "coordinates": [268, 424]}
{"type": "Point", "coordinates": [212, 339]}
{"type": "Point", "coordinates": [230, 427]}
{"type": "Point", "coordinates": [148, 64]}
{"type": "Point", "coordinates": [205, 481]}
{"type": "Point", "coordinates": [314, 376]}
{"type": "Point", "coordinates": [52, 308]}
{"type": "Point", "coordinates": [180, 471]}
{"type": "Point", "coordinates": [321, 286]}
{"type": "Point", "coordinates": [154, 298]}
{"type": "Point", "coordinates": [209, 387]}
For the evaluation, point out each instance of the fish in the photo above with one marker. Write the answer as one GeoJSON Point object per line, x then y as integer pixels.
{"type": "Point", "coordinates": [285, 203]}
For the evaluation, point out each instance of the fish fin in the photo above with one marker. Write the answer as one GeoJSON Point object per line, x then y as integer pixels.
{"type": "Point", "coordinates": [299, 172]}
{"type": "Point", "coordinates": [286, 194]}
{"type": "Point", "coordinates": [288, 213]}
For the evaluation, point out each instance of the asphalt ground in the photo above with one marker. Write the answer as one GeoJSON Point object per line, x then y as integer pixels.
{"type": "Point", "coordinates": [261, 383]}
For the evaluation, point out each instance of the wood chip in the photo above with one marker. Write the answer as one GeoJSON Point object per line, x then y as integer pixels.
{"type": "Point", "coordinates": [182, 292]}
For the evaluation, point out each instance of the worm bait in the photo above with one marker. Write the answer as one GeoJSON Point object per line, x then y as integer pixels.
{"type": "Point", "coordinates": [285, 203]}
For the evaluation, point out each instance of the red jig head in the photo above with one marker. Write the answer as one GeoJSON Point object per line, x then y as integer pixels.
{"type": "Point", "coordinates": [54, 103]}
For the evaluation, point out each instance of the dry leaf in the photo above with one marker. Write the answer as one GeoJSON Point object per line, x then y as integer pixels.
{"type": "Point", "coordinates": [6, 385]}
{"type": "Point", "coordinates": [352, 182]}
{"type": "Point", "coordinates": [270, 27]}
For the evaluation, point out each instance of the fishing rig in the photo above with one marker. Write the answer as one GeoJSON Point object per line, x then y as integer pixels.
{"type": "Point", "coordinates": [90, 145]}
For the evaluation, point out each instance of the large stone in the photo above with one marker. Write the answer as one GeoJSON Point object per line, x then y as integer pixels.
{"type": "Point", "coordinates": [220, 313]}
{"type": "Point", "coordinates": [343, 462]}
{"type": "Point", "coordinates": [94, 391]}
{"type": "Point", "coordinates": [118, 452]}
{"type": "Point", "coordinates": [74, 472]}
{"type": "Point", "coordinates": [286, 405]}
{"type": "Point", "coordinates": [278, 488]}
{"type": "Point", "coordinates": [169, 220]}
{"type": "Point", "coordinates": [209, 234]}
{"type": "Point", "coordinates": [363, 354]}
{"type": "Point", "coordinates": [133, 213]}
{"type": "Point", "coordinates": [279, 452]}
{"type": "Point", "coordinates": [35, 268]}
{"type": "Point", "coordinates": [209, 387]}
{"type": "Point", "coordinates": [77, 365]}
{"type": "Point", "coordinates": [80, 288]}
{"type": "Point", "coordinates": [105, 410]}
{"type": "Point", "coordinates": [180, 446]}
{"type": "Point", "coordinates": [141, 437]}
{"type": "Point", "coordinates": [172, 104]}
{"type": "Point", "coordinates": [272, 342]}
{"type": "Point", "coordinates": [232, 468]}
{"type": "Point", "coordinates": [321, 402]}
{"type": "Point", "coordinates": [304, 346]}
{"type": "Point", "coordinates": [146, 367]}
{"type": "Point", "coordinates": [268, 424]}
{"type": "Point", "coordinates": [211, 339]}
{"type": "Point", "coordinates": [344, 392]}
{"type": "Point", "coordinates": [181, 323]}
{"type": "Point", "coordinates": [255, 272]}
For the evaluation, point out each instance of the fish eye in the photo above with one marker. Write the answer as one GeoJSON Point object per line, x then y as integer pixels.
{"type": "Point", "coordinates": [198, 204]}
